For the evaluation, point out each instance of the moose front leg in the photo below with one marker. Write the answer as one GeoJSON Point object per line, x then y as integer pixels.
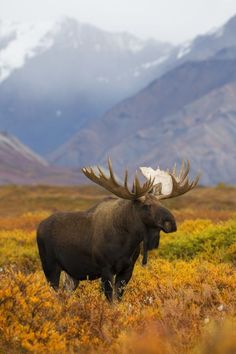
{"type": "Point", "coordinates": [107, 285]}
{"type": "Point", "coordinates": [150, 242]}
{"type": "Point", "coordinates": [124, 276]}
{"type": "Point", "coordinates": [122, 280]}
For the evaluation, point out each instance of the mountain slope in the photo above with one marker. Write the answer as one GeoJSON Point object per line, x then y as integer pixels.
{"type": "Point", "coordinates": [65, 74]}
{"type": "Point", "coordinates": [203, 131]}
{"type": "Point", "coordinates": [20, 165]}
{"type": "Point", "coordinates": [203, 47]}
{"type": "Point", "coordinates": [190, 112]}
{"type": "Point", "coordinates": [56, 78]}
{"type": "Point", "coordinates": [207, 45]}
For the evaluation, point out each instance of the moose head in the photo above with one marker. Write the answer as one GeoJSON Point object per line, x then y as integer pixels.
{"type": "Point", "coordinates": [146, 197]}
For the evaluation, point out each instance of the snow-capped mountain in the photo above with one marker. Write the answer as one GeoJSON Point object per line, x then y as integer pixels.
{"type": "Point", "coordinates": [64, 77]}
{"type": "Point", "coordinates": [204, 46]}
{"type": "Point", "coordinates": [187, 112]}
{"type": "Point", "coordinates": [54, 77]}
{"type": "Point", "coordinates": [22, 41]}
{"type": "Point", "coordinates": [19, 42]}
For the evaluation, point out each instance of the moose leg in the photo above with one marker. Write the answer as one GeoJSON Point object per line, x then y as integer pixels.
{"type": "Point", "coordinates": [124, 276]}
{"type": "Point", "coordinates": [53, 275]}
{"type": "Point", "coordinates": [107, 285]}
{"type": "Point", "coordinates": [70, 283]}
{"type": "Point", "coordinates": [122, 280]}
{"type": "Point", "coordinates": [51, 269]}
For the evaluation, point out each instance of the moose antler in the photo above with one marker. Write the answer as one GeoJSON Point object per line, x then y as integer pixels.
{"type": "Point", "coordinates": [121, 191]}
{"type": "Point", "coordinates": [177, 184]}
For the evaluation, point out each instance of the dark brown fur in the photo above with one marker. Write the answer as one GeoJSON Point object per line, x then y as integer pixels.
{"type": "Point", "coordinates": [103, 242]}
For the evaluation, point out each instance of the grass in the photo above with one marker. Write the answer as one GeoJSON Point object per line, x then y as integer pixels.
{"type": "Point", "coordinates": [183, 301]}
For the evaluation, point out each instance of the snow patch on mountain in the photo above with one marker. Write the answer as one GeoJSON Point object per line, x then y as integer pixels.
{"type": "Point", "coordinates": [159, 61]}
{"type": "Point", "coordinates": [149, 65]}
{"type": "Point", "coordinates": [22, 41]}
{"type": "Point", "coordinates": [184, 49]}
{"type": "Point", "coordinates": [126, 41]}
{"type": "Point", "coordinates": [217, 32]}
{"type": "Point", "coordinates": [29, 39]}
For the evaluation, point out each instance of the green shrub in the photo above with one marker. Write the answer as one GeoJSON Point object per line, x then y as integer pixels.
{"type": "Point", "coordinates": [211, 241]}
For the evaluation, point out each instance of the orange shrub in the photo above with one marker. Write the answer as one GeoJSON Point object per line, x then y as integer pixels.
{"type": "Point", "coordinates": [183, 301]}
{"type": "Point", "coordinates": [26, 221]}
{"type": "Point", "coordinates": [172, 302]}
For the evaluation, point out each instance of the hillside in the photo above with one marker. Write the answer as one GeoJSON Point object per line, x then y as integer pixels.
{"type": "Point", "coordinates": [20, 165]}
{"type": "Point", "coordinates": [59, 96]}
{"type": "Point", "coordinates": [55, 77]}
{"type": "Point", "coordinates": [190, 112]}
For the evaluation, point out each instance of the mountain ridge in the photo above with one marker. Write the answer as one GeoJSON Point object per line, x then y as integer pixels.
{"type": "Point", "coordinates": [20, 165]}
{"type": "Point", "coordinates": [124, 133]}
{"type": "Point", "coordinates": [75, 77]}
{"type": "Point", "coordinates": [116, 92]}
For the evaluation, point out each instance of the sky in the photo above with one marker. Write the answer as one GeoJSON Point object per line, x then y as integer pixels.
{"type": "Point", "coordinates": [166, 20]}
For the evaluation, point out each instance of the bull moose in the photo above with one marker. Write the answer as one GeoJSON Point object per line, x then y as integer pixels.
{"type": "Point", "coordinates": [104, 241]}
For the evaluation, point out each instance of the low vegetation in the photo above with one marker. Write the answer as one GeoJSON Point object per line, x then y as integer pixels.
{"type": "Point", "coordinates": [183, 301]}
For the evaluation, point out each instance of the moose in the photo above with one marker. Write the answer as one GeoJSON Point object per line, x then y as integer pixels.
{"type": "Point", "coordinates": [104, 241]}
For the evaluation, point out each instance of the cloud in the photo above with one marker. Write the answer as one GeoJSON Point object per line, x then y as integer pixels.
{"type": "Point", "coordinates": [162, 19]}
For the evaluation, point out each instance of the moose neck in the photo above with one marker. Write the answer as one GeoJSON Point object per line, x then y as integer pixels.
{"type": "Point", "coordinates": [128, 221]}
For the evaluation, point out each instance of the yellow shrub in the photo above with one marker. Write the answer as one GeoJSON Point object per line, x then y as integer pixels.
{"type": "Point", "coordinates": [178, 300]}
{"type": "Point", "coordinates": [18, 246]}
{"type": "Point", "coordinates": [26, 221]}
{"type": "Point", "coordinates": [174, 298]}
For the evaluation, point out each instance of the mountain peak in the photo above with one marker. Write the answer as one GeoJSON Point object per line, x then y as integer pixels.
{"type": "Point", "coordinates": [231, 23]}
{"type": "Point", "coordinates": [20, 41]}
{"type": "Point", "coordinates": [12, 145]}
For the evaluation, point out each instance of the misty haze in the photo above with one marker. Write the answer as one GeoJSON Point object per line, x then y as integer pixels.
{"type": "Point", "coordinates": [75, 94]}
{"type": "Point", "coordinates": [118, 177]}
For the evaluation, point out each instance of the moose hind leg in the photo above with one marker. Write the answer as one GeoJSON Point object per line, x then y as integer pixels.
{"type": "Point", "coordinates": [52, 272]}
{"type": "Point", "coordinates": [51, 268]}
{"type": "Point", "coordinates": [70, 283]}
{"type": "Point", "coordinates": [53, 277]}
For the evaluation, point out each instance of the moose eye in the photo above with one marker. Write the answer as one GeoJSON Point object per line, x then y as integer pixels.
{"type": "Point", "coordinates": [146, 207]}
